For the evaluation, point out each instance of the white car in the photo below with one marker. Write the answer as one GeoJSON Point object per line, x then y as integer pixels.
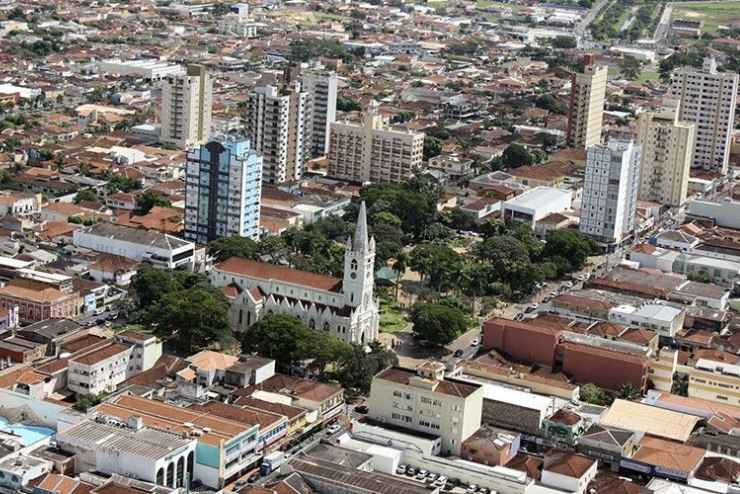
{"type": "Point", "coordinates": [333, 428]}
{"type": "Point", "coordinates": [472, 488]}
{"type": "Point", "coordinates": [475, 342]}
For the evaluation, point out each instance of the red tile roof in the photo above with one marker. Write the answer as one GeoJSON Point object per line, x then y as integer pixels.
{"type": "Point", "coordinates": [266, 271]}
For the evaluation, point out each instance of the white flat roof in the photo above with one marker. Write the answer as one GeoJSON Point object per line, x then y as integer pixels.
{"type": "Point", "coordinates": [9, 262]}
{"type": "Point", "coordinates": [539, 197]}
{"type": "Point", "coordinates": [515, 397]}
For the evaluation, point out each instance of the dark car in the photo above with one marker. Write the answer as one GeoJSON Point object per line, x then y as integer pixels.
{"type": "Point", "coordinates": [361, 409]}
{"type": "Point", "coordinates": [459, 353]}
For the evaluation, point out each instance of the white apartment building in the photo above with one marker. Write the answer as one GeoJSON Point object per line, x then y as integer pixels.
{"type": "Point", "coordinates": [708, 99]}
{"type": "Point", "coordinates": [425, 400]}
{"type": "Point", "coordinates": [19, 204]}
{"type": "Point", "coordinates": [373, 151]}
{"type": "Point", "coordinates": [667, 148]}
{"type": "Point", "coordinates": [222, 192]}
{"type": "Point", "coordinates": [587, 93]}
{"type": "Point", "coordinates": [321, 110]}
{"type": "Point", "coordinates": [186, 108]}
{"type": "Point", "coordinates": [275, 123]}
{"type": "Point", "coordinates": [145, 68]}
{"type": "Point", "coordinates": [610, 191]}
{"type": "Point", "coordinates": [99, 370]}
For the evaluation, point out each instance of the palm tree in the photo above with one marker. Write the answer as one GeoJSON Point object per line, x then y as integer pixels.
{"type": "Point", "coordinates": [399, 265]}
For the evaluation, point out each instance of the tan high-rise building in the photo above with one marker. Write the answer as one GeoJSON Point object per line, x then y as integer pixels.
{"type": "Point", "coordinates": [275, 123]}
{"type": "Point", "coordinates": [667, 148]}
{"type": "Point", "coordinates": [186, 108]}
{"type": "Point", "coordinates": [587, 93]}
{"type": "Point", "coordinates": [708, 99]}
{"type": "Point", "coordinates": [373, 151]}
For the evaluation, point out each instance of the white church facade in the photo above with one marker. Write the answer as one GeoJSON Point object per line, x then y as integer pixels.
{"type": "Point", "coordinates": [344, 307]}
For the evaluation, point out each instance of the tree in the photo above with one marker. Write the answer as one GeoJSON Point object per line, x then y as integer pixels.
{"type": "Point", "coordinates": [437, 263]}
{"type": "Point", "coordinates": [191, 319]}
{"type": "Point", "coordinates": [630, 67]}
{"type": "Point", "coordinates": [591, 393]}
{"type": "Point", "coordinates": [460, 220]}
{"type": "Point", "coordinates": [432, 147]}
{"type": "Point", "coordinates": [85, 195]}
{"type": "Point", "coordinates": [347, 104]}
{"type": "Point", "coordinates": [119, 183]}
{"type": "Point", "coordinates": [150, 199]}
{"type": "Point", "coordinates": [288, 340]}
{"type": "Point", "coordinates": [569, 249]}
{"type": "Point", "coordinates": [226, 247]}
{"type": "Point", "coordinates": [516, 155]}
{"type": "Point", "coordinates": [150, 284]}
{"type": "Point", "coordinates": [564, 42]}
{"type": "Point", "coordinates": [357, 366]}
{"type": "Point", "coordinates": [437, 323]}
{"type": "Point", "coordinates": [628, 391]}
{"type": "Point", "coordinates": [699, 276]}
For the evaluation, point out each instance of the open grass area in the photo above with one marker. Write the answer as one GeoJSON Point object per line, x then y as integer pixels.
{"type": "Point", "coordinates": [648, 75]}
{"type": "Point", "coordinates": [392, 318]}
{"type": "Point", "coordinates": [304, 17]}
{"type": "Point", "coordinates": [714, 14]}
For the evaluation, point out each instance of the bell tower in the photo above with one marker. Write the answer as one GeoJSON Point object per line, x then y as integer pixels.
{"type": "Point", "coordinates": [359, 265]}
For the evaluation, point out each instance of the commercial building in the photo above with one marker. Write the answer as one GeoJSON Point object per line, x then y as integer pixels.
{"type": "Point", "coordinates": [222, 193]}
{"type": "Point", "coordinates": [346, 308]}
{"type": "Point", "coordinates": [523, 342]}
{"type": "Point", "coordinates": [321, 88]}
{"type": "Point", "coordinates": [587, 93]}
{"type": "Point", "coordinates": [632, 416]}
{"type": "Point", "coordinates": [275, 120]}
{"type": "Point", "coordinates": [145, 68]}
{"type": "Point", "coordinates": [186, 108]}
{"type": "Point", "coordinates": [36, 300]}
{"type": "Point", "coordinates": [373, 151]}
{"type": "Point", "coordinates": [708, 99]}
{"type": "Point", "coordinates": [225, 448]}
{"type": "Point", "coordinates": [667, 149]}
{"type": "Point", "coordinates": [665, 320]}
{"type": "Point", "coordinates": [427, 401]}
{"type": "Point", "coordinates": [159, 249]}
{"type": "Point", "coordinates": [610, 191]}
{"type": "Point", "coordinates": [536, 204]}
{"type": "Point", "coordinates": [131, 449]}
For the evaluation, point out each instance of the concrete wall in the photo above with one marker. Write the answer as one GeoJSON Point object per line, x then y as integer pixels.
{"type": "Point", "coordinates": [47, 412]}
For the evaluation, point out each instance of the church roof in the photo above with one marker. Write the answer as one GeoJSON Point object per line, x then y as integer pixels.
{"type": "Point", "coordinates": [266, 271]}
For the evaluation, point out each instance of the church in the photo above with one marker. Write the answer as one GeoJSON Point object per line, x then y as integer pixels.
{"type": "Point", "coordinates": [344, 307]}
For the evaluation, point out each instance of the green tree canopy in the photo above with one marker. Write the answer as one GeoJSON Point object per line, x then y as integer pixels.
{"type": "Point", "coordinates": [85, 195]}
{"type": "Point", "coordinates": [516, 155]}
{"type": "Point", "coordinates": [439, 324]}
{"type": "Point", "coordinates": [226, 247]}
{"type": "Point", "coordinates": [150, 199]}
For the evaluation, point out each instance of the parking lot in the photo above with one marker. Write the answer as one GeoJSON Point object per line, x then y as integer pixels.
{"type": "Point", "coordinates": [440, 481]}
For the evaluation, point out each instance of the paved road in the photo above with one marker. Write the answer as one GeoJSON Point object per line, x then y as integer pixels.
{"type": "Point", "coordinates": [663, 27]}
{"type": "Point", "coordinates": [582, 27]}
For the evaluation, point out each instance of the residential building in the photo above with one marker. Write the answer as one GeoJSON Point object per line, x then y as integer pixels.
{"type": "Point", "coordinates": [610, 191]}
{"type": "Point", "coordinates": [159, 249]}
{"type": "Point", "coordinates": [708, 99]}
{"type": "Point", "coordinates": [275, 121]}
{"type": "Point", "coordinates": [569, 472]}
{"type": "Point", "coordinates": [425, 400]}
{"type": "Point", "coordinates": [346, 308]}
{"type": "Point", "coordinates": [321, 109]}
{"type": "Point", "coordinates": [186, 108]}
{"type": "Point", "coordinates": [587, 93]}
{"type": "Point", "coordinates": [667, 149]}
{"type": "Point", "coordinates": [373, 151]}
{"type": "Point", "coordinates": [222, 195]}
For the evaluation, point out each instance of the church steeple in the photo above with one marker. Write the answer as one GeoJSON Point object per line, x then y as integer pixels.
{"type": "Point", "coordinates": [360, 240]}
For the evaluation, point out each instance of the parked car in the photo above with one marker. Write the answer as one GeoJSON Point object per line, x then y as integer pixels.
{"type": "Point", "coordinates": [459, 353]}
{"type": "Point", "coordinates": [333, 428]}
{"type": "Point", "coordinates": [410, 470]}
{"type": "Point", "coordinates": [472, 489]}
{"type": "Point", "coordinates": [475, 342]}
{"type": "Point", "coordinates": [483, 490]}
{"type": "Point", "coordinates": [519, 316]}
{"type": "Point", "coordinates": [363, 409]}
{"type": "Point", "coordinates": [401, 470]}
{"type": "Point", "coordinates": [431, 476]}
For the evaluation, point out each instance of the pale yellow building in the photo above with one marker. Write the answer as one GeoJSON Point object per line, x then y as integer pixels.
{"type": "Point", "coordinates": [425, 400]}
{"type": "Point", "coordinates": [588, 90]}
{"type": "Point", "coordinates": [373, 151]}
{"type": "Point", "coordinates": [667, 148]}
{"type": "Point", "coordinates": [187, 108]}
